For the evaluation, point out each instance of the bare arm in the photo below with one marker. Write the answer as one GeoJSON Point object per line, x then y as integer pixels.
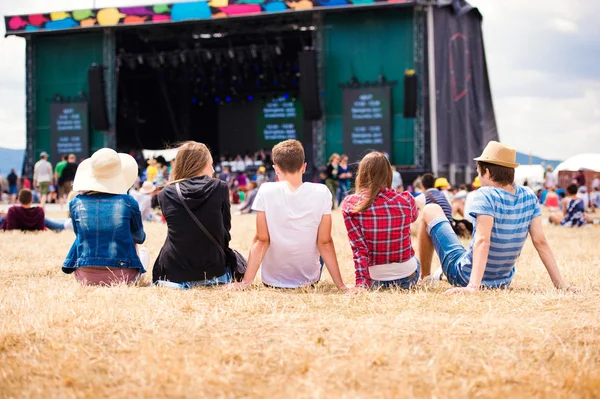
{"type": "Point", "coordinates": [481, 250]}
{"type": "Point", "coordinates": [327, 251]}
{"type": "Point", "coordinates": [259, 247]}
{"type": "Point", "coordinates": [543, 249]}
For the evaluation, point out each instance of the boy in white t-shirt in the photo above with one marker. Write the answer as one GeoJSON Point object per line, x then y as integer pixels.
{"type": "Point", "coordinates": [293, 226]}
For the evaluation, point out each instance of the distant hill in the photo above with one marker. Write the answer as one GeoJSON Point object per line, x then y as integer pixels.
{"type": "Point", "coordinates": [523, 159]}
{"type": "Point", "coordinates": [9, 159]}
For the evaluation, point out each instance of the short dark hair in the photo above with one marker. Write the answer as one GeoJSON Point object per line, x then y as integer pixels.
{"type": "Point", "coordinates": [499, 174]}
{"type": "Point", "coordinates": [428, 181]}
{"type": "Point", "coordinates": [25, 196]}
{"type": "Point", "coordinates": [572, 189]}
{"type": "Point", "coordinates": [289, 156]}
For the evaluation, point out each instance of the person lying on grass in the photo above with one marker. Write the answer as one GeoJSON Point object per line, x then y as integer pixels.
{"type": "Point", "coordinates": [378, 222]}
{"type": "Point", "coordinates": [107, 222]}
{"type": "Point", "coordinates": [505, 214]}
{"type": "Point", "coordinates": [293, 226]}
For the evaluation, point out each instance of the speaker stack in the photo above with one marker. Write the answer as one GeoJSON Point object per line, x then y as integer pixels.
{"type": "Point", "coordinates": [309, 86]}
{"type": "Point", "coordinates": [97, 97]}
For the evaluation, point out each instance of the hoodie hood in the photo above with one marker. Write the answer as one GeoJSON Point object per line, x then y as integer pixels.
{"type": "Point", "coordinates": [198, 189]}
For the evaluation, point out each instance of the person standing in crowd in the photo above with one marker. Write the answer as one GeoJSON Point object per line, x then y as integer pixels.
{"type": "Point", "coordinates": [435, 196]}
{"type": "Point", "coordinates": [42, 177]}
{"type": "Point", "coordinates": [107, 222]}
{"type": "Point", "coordinates": [225, 175]}
{"type": "Point", "coordinates": [580, 178]}
{"type": "Point", "coordinates": [68, 175]}
{"type": "Point", "coordinates": [261, 176]}
{"type": "Point", "coordinates": [293, 226]}
{"type": "Point", "coordinates": [12, 180]}
{"type": "Point", "coordinates": [550, 179]}
{"type": "Point", "coordinates": [24, 217]}
{"type": "Point", "coordinates": [58, 170]}
{"type": "Point", "coordinates": [151, 170]}
{"type": "Point", "coordinates": [442, 184]}
{"type": "Point", "coordinates": [573, 213]}
{"type": "Point", "coordinates": [332, 176]}
{"type": "Point", "coordinates": [189, 256]}
{"type": "Point", "coordinates": [596, 183]}
{"type": "Point", "coordinates": [143, 196]}
{"type": "Point", "coordinates": [397, 183]}
{"type": "Point", "coordinates": [378, 221]}
{"type": "Point", "coordinates": [506, 214]}
{"type": "Point", "coordinates": [344, 176]}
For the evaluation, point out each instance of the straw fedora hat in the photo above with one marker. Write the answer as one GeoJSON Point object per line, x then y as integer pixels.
{"type": "Point", "coordinates": [499, 154]}
{"type": "Point", "coordinates": [106, 171]}
{"type": "Point", "coordinates": [147, 188]}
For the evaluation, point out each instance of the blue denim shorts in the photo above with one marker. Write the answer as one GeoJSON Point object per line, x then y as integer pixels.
{"type": "Point", "coordinates": [403, 283]}
{"type": "Point", "coordinates": [12, 190]}
{"type": "Point", "coordinates": [449, 249]}
{"type": "Point", "coordinates": [224, 279]}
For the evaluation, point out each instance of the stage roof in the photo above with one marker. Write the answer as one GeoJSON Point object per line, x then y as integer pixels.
{"type": "Point", "coordinates": [172, 13]}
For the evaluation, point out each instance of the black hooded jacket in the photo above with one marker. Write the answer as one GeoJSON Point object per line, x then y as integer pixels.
{"type": "Point", "coordinates": [188, 254]}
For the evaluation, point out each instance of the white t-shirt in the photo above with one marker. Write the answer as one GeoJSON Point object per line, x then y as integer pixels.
{"type": "Point", "coordinates": [43, 171]}
{"type": "Point", "coordinates": [293, 219]}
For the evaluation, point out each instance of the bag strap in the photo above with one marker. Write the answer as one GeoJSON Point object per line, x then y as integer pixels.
{"type": "Point", "coordinates": [195, 219]}
{"type": "Point", "coordinates": [428, 194]}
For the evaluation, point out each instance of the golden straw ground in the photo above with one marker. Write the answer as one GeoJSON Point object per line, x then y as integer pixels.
{"type": "Point", "coordinates": [60, 340]}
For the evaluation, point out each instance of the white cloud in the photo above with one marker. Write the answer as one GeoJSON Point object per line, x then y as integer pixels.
{"type": "Point", "coordinates": [564, 25]}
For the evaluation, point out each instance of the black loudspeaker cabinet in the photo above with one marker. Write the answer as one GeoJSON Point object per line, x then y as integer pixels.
{"type": "Point", "coordinates": [97, 97]}
{"type": "Point", "coordinates": [410, 95]}
{"type": "Point", "coordinates": [309, 85]}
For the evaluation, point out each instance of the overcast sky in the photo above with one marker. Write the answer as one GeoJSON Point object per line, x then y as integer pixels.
{"type": "Point", "coordinates": [543, 58]}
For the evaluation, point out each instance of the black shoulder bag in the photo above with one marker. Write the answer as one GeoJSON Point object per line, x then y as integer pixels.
{"type": "Point", "coordinates": [239, 265]}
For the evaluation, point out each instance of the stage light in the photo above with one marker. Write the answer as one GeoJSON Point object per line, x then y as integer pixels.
{"type": "Point", "coordinates": [313, 28]}
{"type": "Point", "coordinates": [182, 57]}
{"type": "Point", "coordinates": [161, 58]}
{"type": "Point", "coordinates": [277, 50]}
{"type": "Point", "coordinates": [250, 98]}
{"type": "Point", "coordinates": [286, 96]}
{"type": "Point", "coordinates": [228, 99]}
{"type": "Point", "coordinates": [231, 53]}
{"type": "Point", "coordinates": [253, 51]}
{"type": "Point", "coordinates": [194, 100]}
{"type": "Point", "coordinates": [217, 100]}
{"type": "Point", "coordinates": [303, 28]}
{"type": "Point", "coordinates": [205, 36]}
{"type": "Point", "coordinates": [208, 55]}
{"type": "Point", "coordinates": [140, 59]}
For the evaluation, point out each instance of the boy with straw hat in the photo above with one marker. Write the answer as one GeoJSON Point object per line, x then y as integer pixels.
{"type": "Point", "coordinates": [505, 214]}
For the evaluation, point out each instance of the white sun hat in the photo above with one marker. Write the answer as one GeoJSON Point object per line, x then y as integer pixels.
{"type": "Point", "coordinates": [147, 188]}
{"type": "Point", "coordinates": [106, 171]}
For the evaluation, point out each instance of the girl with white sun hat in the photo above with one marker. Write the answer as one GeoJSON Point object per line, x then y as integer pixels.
{"type": "Point", "coordinates": [106, 221]}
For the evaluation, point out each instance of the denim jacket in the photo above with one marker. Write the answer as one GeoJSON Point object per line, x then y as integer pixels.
{"type": "Point", "coordinates": [106, 227]}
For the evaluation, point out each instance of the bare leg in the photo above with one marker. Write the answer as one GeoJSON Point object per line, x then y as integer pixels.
{"type": "Point", "coordinates": [426, 249]}
{"type": "Point", "coordinates": [556, 218]}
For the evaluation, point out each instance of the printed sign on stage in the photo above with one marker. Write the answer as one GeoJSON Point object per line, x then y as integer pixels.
{"type": "Point", "coordinates": [279, 118]}
{"type": "Point", "coordinates": [69, 130]}
{"type": "Point", "coordinates": [367, 121]}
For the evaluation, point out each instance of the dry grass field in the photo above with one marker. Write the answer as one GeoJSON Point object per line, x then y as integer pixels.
{"type": "Point", "coordinates": [60, 340]}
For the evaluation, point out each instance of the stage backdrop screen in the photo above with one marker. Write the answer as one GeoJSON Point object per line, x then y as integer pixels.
{"type": "Point", "coordinates": [279, 118]}
{"type": "Point", "coordinates": [367, 121]}
{"type": "Point", "coordinates": [69, 130]}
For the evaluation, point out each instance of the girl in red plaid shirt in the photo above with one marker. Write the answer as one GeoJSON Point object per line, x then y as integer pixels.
{"type": "Point", "coordinates": [378, 221]}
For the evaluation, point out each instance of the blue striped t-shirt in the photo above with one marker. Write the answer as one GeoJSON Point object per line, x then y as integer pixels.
{"type": "Point", "coordinates": [512, 215]}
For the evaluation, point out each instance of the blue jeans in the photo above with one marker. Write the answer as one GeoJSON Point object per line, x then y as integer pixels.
{"type": "Point", "coordinates": [449, 249]}
{"type": "Point", "coordinates": [222, 280]}
{"type": "Point", "coordinates": [403, 283]}
{"type": "Point", "coordinates": [55, 224]}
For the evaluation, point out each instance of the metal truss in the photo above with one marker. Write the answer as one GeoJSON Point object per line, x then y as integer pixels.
{"type": "Point", "coordinates": [31, 108]}
{"type": "Point", "coordinates": [419, 26]}
{"type": "Point", "coordinates": [319, 140]}
{"type": "Point", "coordinates": [110, 85]}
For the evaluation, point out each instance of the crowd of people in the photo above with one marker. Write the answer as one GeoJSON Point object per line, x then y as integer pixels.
{"type": "Point", "coordinates": [292, 242]}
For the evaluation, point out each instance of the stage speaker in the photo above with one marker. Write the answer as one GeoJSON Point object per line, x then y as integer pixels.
{"type": "Point", "coordinates": [97, 98]}
{"type": "Point", "coordinates": [309, 85]}
{"type": "Point", "coordinates": [410, 94]}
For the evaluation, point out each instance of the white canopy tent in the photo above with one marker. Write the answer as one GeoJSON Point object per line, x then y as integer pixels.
{"type": "Point", "coordinates": [581, 161]}
{"type": "Point", "coordinates": [534, 174]}
{"type": "Point", "coordinates": [169, 154]}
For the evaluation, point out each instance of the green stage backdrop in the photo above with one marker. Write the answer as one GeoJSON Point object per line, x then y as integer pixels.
{"type": "Point", "coordinates": [62, 64]}
{"type": "Point", "coordinates": [366, 45]}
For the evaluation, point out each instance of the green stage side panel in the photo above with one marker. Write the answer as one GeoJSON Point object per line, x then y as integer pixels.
{"type": "Point", "coordinates": [62, 64]}
{"type": "Point", "coordinates": [366, 45]}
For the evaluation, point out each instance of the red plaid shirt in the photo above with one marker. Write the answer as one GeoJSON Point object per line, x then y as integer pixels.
{"type": "Point", "coordinates": [381, 234]}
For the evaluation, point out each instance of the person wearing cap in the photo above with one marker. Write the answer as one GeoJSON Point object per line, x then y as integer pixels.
{"type": "Point", "coordinates": [261, 176]}
{"type": "Point", "coordinates": [442, 184]}
{"type": "Point", "coordinates": [107, 222]}
{"type": "Point", "coordinates": [144, 198]}
{"type": "Point", "coordinates": [505, 214]}
{"type": "Point", "coordinates": [42, 177]}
